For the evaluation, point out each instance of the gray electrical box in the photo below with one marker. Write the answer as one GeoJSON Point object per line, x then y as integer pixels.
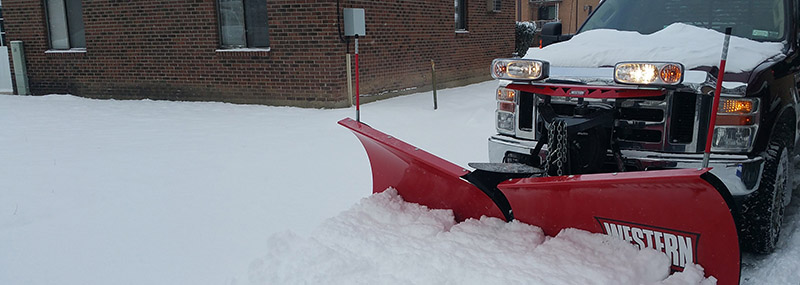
{"type": "Point", "coordinates": [20, 69]}
{"type": "Point", "coordinates": [354, 22]}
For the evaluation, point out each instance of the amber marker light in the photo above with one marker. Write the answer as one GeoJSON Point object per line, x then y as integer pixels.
{"type": "Point", "coordinates": [736, 106]}
{"type": "Point", "coordinates": [733, 120]}
{"type": "Point", "coordinates": [505, 94]}
{"type": "Point", "coordinates": [671, 74]}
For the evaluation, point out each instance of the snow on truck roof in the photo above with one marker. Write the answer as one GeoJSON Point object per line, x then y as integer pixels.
{"type": "Point", "coordinates": [690, 45]}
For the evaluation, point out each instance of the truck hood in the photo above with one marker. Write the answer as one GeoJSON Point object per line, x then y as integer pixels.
{"type": "Point", "coordinates": [689, 45]}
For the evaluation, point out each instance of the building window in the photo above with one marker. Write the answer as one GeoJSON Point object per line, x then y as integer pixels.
{"type": "Point", "coordinates": [243, 23]}
{"type": "Point", "coordinates": [2, 28]}
{"type": "Point", "coordinates": [549, 12]}
{"type": "Point", "coordinates": [461, 15]}
{"type": "Point", "coordinates": [494, 5]}
{"type": "Point", "coordinates": [65, 23]}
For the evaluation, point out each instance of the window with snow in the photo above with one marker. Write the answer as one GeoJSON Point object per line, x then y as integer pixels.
{"type": "Point", "coordinates": [65, 24]}
{"type": "Point", "coordinates": [243, 23]}
{"type": "Point", "coordinates": [461, 15]}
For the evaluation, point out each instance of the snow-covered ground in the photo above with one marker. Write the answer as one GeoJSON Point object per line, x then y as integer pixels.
{"type": "Point", "coordinates": [153, 192]}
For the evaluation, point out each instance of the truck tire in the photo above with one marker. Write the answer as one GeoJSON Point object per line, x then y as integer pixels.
{"type": "Point", "coordinates": [763, 211]}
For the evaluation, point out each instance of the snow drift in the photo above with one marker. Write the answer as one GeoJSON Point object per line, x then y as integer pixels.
{"type": "Point", "coordinates": [384, 239]}
{"type": "Point", "coordinates": [690, 45]}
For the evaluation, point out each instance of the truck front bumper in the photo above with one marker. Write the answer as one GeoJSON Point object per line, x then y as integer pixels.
{"type": "Point", "coordinates": [740, 174]}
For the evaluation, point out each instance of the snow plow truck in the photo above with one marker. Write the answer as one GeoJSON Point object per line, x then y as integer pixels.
{"type": "Point", "coordinates": [669, 124]}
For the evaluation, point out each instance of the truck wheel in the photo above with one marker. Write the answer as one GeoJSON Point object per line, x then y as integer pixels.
{"type": "Point", "coordinates": [763, 211]}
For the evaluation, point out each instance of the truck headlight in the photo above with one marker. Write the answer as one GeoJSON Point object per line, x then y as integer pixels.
{"type": "Point", "coordinates": [519, 69]}
{"type": "Point", "coordinates": [505, 122]}
{"type": "Point", "coordinates": [648, 73]}
{"type": "Point", "coordinates": [737, 124]}
{"type": "Point", "coordinates": [729, 138]}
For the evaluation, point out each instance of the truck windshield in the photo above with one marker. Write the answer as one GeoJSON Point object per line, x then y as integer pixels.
{"type": "Point", "coordinates": [761, 20]}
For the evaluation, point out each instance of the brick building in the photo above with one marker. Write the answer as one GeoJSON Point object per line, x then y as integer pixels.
{"type": "Point", "coordinates": [253, 51]}
{"type": "Point", "coordinates": [571, 13]}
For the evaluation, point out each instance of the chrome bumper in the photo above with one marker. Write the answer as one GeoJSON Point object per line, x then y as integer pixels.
{"type": "Point", "coordinates": [740, 174]}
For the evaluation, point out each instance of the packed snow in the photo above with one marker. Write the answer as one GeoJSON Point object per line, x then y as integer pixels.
{"type": "Point", "coordinates": [690, 45]}
{"type": "Point", "coordinates": [155, 192]}
{"type": "Point", "coordinates": [383, 234]}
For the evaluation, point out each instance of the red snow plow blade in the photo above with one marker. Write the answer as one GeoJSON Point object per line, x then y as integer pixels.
{"type": "Point", "coordinates": [681, 212]}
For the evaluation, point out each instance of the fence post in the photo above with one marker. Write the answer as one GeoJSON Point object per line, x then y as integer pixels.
{"type": "Point", "coordinates": [433, 77]}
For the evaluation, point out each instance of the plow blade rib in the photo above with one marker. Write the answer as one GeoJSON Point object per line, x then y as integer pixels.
{"type": "Point", "coordinates": [679, 212]}
{"type": "Point", "coordinates": [421, 177]}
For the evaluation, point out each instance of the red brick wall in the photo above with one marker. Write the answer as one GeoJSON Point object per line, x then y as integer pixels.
{"type": "Point", "coordinates": [403, 36]}
{"type": "Point", "coordinates": [167, 49]}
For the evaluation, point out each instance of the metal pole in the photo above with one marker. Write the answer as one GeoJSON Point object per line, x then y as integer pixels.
{"type": "Point", "coordinates": [358, 94]}
{"type": "Point", "coordinates": [433, 77]}
{"type": "Point", "coordinates": [715, 105]}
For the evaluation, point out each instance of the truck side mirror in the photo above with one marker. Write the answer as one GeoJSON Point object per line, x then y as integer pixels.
{"type": "Point", "coordinates": [551, 33]}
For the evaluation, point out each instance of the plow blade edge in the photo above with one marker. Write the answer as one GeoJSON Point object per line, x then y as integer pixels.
{"type": "Point", "coordinates": [420, 177]}
{"type": "Point", "coordinates": [681, 212]}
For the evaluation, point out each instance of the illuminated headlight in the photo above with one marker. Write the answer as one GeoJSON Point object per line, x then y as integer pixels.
{"type": "Point", "coordinates": [648, 73]}
{"type": "Point", "coordinates": [520, 69]}
{"type": "Point", "coordinates": [505, 122]}
{"type": "Point", "coordinates": [737, 124]}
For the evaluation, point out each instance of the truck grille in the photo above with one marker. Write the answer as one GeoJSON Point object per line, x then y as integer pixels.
{"type": "Point", "coordinates": [682, 121]}
{"type": "Point", "coordinates": [525, 118]}
{"type": "Point", "coordinates": [665, 123]}
{"type": "Point", "coordinates": [647, 115]}
{"type": "Point", "coordinates": [641, 121]}
{"type": "Point", "coordinates": [633, 135]}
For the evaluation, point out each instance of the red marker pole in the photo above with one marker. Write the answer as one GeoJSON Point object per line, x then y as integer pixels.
{"type": "Point", "coordinates": [358, 94]}
{"type": "Point", "coordinates": [715, 106]}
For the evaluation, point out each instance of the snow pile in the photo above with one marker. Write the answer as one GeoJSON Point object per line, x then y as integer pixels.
{"type": "Point", "coordinates": [690, 45]}
{"type": "Point", "coordinates": [386, 240]}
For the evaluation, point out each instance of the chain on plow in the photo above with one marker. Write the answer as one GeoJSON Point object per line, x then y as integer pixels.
{"type": "Point", "coordinates": [558, 151]}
